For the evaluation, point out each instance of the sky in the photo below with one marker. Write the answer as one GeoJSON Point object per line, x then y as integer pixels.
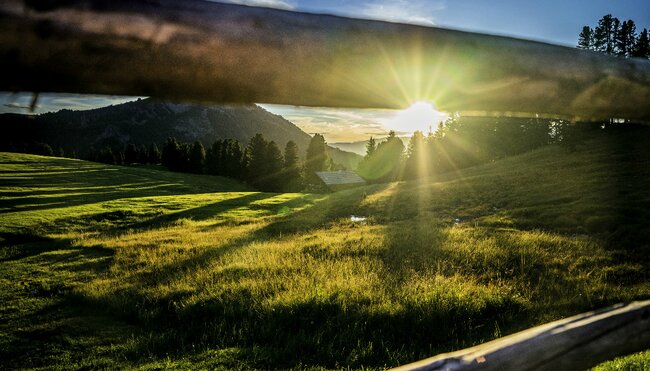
{"type": "Point", "coordinates": [553, 21]}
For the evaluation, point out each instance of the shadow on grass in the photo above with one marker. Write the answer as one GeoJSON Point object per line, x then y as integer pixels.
{"type": "Point", "coordinates": [119, 221]}
{"type": "Point", "coordinates": [46, 322]}
{"type": "Point", "coordinates": [61, 183]}
{"type": "Point", "coordinates": [327, 331]}
{"type": "Point", "coordinates": [49, 203]}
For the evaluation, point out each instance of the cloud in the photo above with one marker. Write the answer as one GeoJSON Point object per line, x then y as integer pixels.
{"type": "Point", "coordinates": [336, 125]}
{"type": "Point", "coordinates": [50, 102]}
{"type": "Point", "coordinates": [278, 4]}
{"type": "Point", "coordinates": [419, 12]}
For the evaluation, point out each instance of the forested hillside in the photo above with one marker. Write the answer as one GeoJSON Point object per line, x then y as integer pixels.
{"type": "Point", "coordinates": [147, 121]}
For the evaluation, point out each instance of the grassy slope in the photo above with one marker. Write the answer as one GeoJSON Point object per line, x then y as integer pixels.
{"type": "Point", "coordinates": [121, 267]}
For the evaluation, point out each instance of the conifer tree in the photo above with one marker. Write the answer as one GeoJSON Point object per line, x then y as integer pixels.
{"type": "Point", "coordinates": [233, 159]}
{"type": "Point", "coordinates": [371, 146]}
{"type": "Point", "coordinates": [153, 154]}
{"type": "Point", "coordinates": [385, 163]}
{"type": "Point", "coordinates": [197, 158]}
{"type": "Point", "coordinates": [130, 154]}
{"type": "Point", "coordinates": [641, 47]}
{"type": "Point", "coordinates": [42, 149]}
{"type": "Point", "coordinates": [417, 161]}
{"type": "Point", "coordinates": [316, 159]}
{"type": "Point", "coordinates": [292, 174]}
{"type": "Point", "coordinates": [119, 158]}
{"type": "Point", "coordinates": [586, 38]}
{"type": "Point", "coordinates": [256, 160]}
{"type": "Point", "coordinates": [143, 154]}
{"type": "Point", "coordinates": [625, 38]}
{"type": "Point", "coordinates": [274, 164]}
{"type": "Point", "coordinates": [212, 158]}
{"type": "Point", "coordinates": [612, 37]}
{"type": "Point", "coordinates": [604, 34]}
{"type": "Point", "coordinates": [106, 156]}
{"type": "Point", "coordinates": [172, 155]}
{"type": "Point", "coordinates": [184, 157]}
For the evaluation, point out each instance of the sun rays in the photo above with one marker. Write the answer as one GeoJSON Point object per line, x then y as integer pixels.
{"type": "Point", "coordinates": [420, 116]}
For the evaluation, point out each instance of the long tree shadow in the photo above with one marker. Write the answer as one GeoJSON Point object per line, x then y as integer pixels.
{"type": "Point", "coordinates": [66, 183]}
{"type": "Point", "coordinates": [41, 310]}
{"type": "Point", "coordinates": [295, 325]}
{"type": "Point", "coordinates": [320, 331]}
{"type": "Point", "coordinates": [124, 220]}
{"type": "Point", "coordinates": [19, 204]}
{"type": "Point", "coordinates": [280, 226]}
{"type": "Point", "coordinates": [625, 227]}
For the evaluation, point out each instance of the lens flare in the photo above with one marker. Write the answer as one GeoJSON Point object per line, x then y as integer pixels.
{"type": "Point", "coordinates": [420, 116]}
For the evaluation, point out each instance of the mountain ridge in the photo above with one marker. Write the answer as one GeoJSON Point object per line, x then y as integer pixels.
{"type": "Point", "coordinates": [144, 121]}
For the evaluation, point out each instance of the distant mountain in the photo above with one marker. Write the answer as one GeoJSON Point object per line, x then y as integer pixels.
{"type": "Point", "coordinates": [145, 121]}
{"type": "Point", "coordinates": [355, 147]}
{"type": "Point", "coordinates": [360, 146]}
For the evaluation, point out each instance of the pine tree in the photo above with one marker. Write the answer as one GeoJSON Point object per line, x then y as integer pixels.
{"type": "Point", "coordinates": [184, 157]}
{"type": "Point", "coordinates": [385, 163]}
{"type": "Point", "coordinates": [274, 165]}
{"type": "Point", "coordinates": [604, 34]}
{"type": "Point", "coordinates": [371, 147]}
{"type": "Point", "coordinates": [42, 149]}
{"type": "Point", "coordinates": [625, 38]}
{"type": "Point", "coordinates": [143, 154]}
{"type": "Point", "coordinates": [256, 160]}
{"type": "Point", "coordinates": [641, 47]}
{"type": "Point", "coordinates": [213, 158]}
{"type": "Point", "coordinates": [586, 38]}
{"type": "Point", "coordinates": [106, 156]}
{"type": "Point", "coordinates": [172, 155]}
{"type": "Point", "coordinates": [233, 159]}
{"type": "Point", "coordinates": [434, 153]}
{"type": "Point", "coordinates": [197, 158]}
{"type": "Point", "coordinates": [153, 154]}
{"type": "Point", "coordinates": [316, 159]}
{"type": "Point", "coordinates": [130, 154]}
{"type": "Point", "coordinates": [616, 30]}
{"type": "Point", "coordinates": [293, 177]}
{"type": "Point", "coordinates": [416, 162]}
{"type": "Point", "coordinates": [119, 158]}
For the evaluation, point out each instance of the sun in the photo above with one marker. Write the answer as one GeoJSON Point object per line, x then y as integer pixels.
{"type": "Point", "coordinates": [420, 116]}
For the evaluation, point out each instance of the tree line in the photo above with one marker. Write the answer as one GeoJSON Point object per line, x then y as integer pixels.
{"type": "Point", "coordinates": [130, 154]}
{"type": "Point", "coordinates": [461, 142]}
{"type": "Point", "coordinates": [261, 163]}
{"type": "Point", "coordinates": [613, 37]}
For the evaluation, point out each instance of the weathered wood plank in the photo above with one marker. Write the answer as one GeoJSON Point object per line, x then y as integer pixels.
{"type": "Point", "coordinates": [573, 343]}
{"type": "Point", "coordinates": [204, 51]}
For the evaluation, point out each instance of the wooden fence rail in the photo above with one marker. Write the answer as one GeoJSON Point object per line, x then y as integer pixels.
{"type": "Point", "coordinates": [205, 51]}
{"type": "Point", "coordinates": [573, 343]}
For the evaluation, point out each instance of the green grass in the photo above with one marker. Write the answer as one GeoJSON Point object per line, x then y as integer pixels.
{"type": "Point", "coordinates": [114, 267]}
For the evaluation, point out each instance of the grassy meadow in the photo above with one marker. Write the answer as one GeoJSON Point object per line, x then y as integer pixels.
{"type": "Point", "coordinates": [125, 267]}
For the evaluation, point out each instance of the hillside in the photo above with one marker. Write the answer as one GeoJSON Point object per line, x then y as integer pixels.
{"type": "Point", "coordinates": [101, 271]}
{"type": "Point", "coordinates": [359, 147]}
{"type": "Point", "coordinates": [146, 121]}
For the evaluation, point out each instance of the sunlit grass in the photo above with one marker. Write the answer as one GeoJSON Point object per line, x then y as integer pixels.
{"type": "Point", "coordinates": [200, 272]}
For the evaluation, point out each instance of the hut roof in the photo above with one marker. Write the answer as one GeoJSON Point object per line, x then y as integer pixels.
{"type": "Point", "coordinates": [334, 178]}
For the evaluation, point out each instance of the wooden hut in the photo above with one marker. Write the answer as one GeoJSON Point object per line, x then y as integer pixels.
{"type": "Point", "coordinates": [338, 180]}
